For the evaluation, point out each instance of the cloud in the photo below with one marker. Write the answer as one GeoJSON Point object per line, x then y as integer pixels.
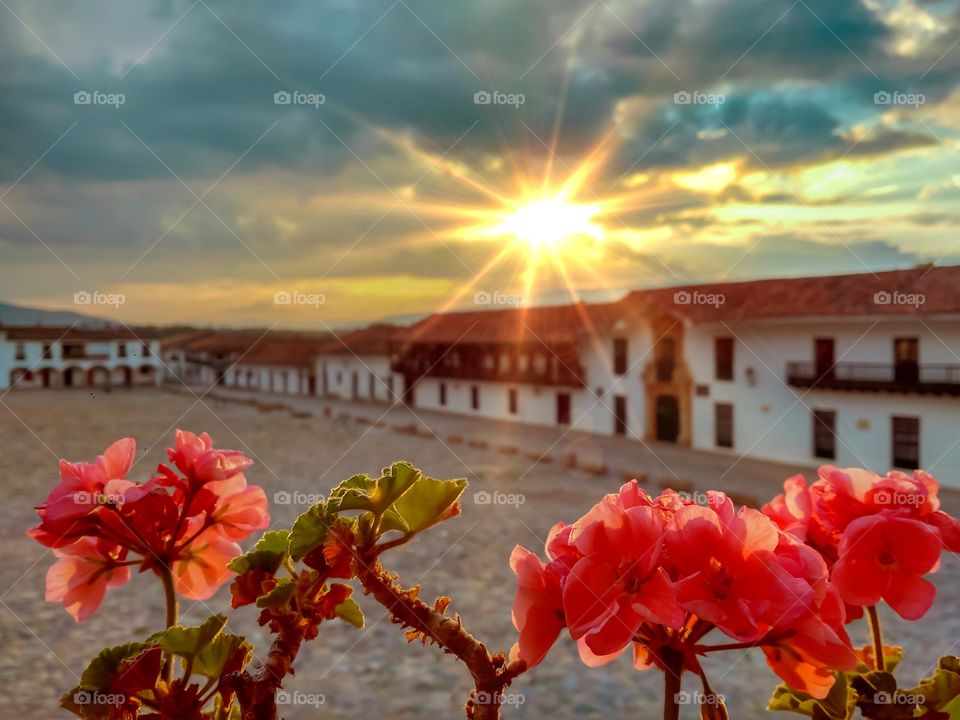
{"type": "Point", "coordinates": [327, 190]}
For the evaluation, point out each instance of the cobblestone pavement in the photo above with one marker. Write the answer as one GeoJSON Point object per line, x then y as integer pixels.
{"type": "Point", "coordinates": [371, 673]}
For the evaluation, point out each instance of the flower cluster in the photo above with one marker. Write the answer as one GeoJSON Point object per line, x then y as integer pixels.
{"type": "Point", "coordinates": [182, 524]}
{"type": "Point", "coordinates": [879, 534]}
{"type": "Point", "coordinates": [658, 574]}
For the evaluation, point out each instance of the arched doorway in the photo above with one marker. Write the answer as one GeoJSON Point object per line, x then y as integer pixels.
{"type": "Point", "coordinates": [668, 418]}
{"type": "Point", "coordinates": [73, 377]}
{"type": "Point", "coordinates": [49, 378]}
{"type": "Point", "coordinates": [21, 377]}
{"type": "Point", "coordinates": [122, 376]}
{"type": "Point", "coordinates": [98, 376]}
{"type": "Point", "coordinates": [147, 375]}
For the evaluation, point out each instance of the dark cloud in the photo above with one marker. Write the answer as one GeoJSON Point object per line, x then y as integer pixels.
{"type": "Point", "coordinates": [797, 80]}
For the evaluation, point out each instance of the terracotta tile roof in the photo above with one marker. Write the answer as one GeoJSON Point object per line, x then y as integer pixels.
{"type": "Point", "coordinates": [372, 340]}
{"type": "Point", "coordinates": [284, 351]}
{"type": "Point", "coordinates": [863, 294]}
{"type": "Point", "coordinates": [560, 323]}
{"type": "Point", "coordinates": [217, 342]}
{"type": "Point", "coordinates": [67, 333]}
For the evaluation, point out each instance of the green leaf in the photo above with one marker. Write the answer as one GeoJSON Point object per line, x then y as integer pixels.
{"type": "Point", "coordinates": [97, 677]}
{"type": "Point", "coordinates": [350, 612]}
{"type": "Point", "coordinates": [361, 492]}
{"type": "Point", "coordinates": [839, 704]}
{"type": "Point", "coordinates": [267, 554]}
{"type": "Point", "coordinates": [100, 672]}
{"type": "Point", "coordinates": [422, 505]}
{"type": "Point", "coordinates": [309, 531]}
{"type": "Point", "coordinates": [279, 595]}
{"type": "Point", "coordinates": [952, 708]}
{"type": "Point", "coordinates": [226, 648]}
{"type": "Point", "coordinates": [941, 690]}
{"type": "Point", "coordinates": [879, 698]}
{"type": "Point", "coordinates": [186, 642]}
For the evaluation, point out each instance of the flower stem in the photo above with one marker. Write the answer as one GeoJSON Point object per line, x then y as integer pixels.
{"type": "Point", "coordinates": [173, 612]}
{"type": "Point", "coordinates": [673, 667]}
{"type": "Point", "coordinates": [874, 619]}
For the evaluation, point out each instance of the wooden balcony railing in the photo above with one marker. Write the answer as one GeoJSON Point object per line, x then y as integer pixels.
{"type": "Point", "coordinates": [889, 377]}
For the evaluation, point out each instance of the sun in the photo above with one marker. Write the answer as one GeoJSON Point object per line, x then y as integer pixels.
{"type": "Point", "coordinates": [545, 223]}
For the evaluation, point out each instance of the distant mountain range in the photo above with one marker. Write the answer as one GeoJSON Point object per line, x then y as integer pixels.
{"type": "Point", "coordinates": [18, 315]}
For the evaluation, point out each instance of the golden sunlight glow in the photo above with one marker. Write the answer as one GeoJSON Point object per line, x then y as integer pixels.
{"type": "Point", "coordinates": [710, 179]}
{"type": "Point", "coordinates": [548, 222]}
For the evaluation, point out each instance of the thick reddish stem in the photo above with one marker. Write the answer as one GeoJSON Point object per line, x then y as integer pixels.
{"type": "Point", "coordinates": [491, 673]}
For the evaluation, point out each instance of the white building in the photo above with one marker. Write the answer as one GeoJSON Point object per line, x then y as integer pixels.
{"type": "Point", "coordinates": [854, 370]}
{"type": "Point", "coordinates": [356, 366]}
{"type": "Point", "coordinates": [52, 357]}
{"type": "Point", "coordinates": [202, 358]}
{"type": "Point", "coordinates": [283, 365]}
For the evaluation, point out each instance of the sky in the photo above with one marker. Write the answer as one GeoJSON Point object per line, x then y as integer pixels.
{"type": "Point", "coordinates": [328, 163]}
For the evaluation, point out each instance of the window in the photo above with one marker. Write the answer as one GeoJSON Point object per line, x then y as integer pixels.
{"type": "Point", "coordinates": [146, 350]}
{"type": "Point", "coordinates": [47, 351]}
{"type": "Point", "coordinates": [539, 363]}
{"type": "Point", "coordinates": [489, 362]}
{"type": "Point", "coordinates": [620, 356]}
{"type": "Point", "coordinates": [666, 359]}
{"type": "Point", "coordinates": [122, 350]}
{"type": "Point", "coordinates": [906, 442]}
{"type": "Point", "coordinates": [620, 414]}
{"type": "Point", "coordinates": [512, 401]}
{"type": "Point", "coordinates": [523, 362]}
{"type": "Point", "coordinates": [74, 351]}
{"type": "Point", "coordinates": [443, 393]}
{"type": "Point", "coordinates": [906, 357]}
{"type": "Point", "coordinates": [505, 363]}
{"type": "Point", "coordinates": [21, 352]}
{"type": "Point", "coordinates": [723, 357]}
{"type": "Point", "coordinates": [824, 351]}
{"type": "Point", "coordinates": [474, 397]}
{"type": "Point", "coordinates": [372, 386]}
{"type": "Point", "coordinates": [723, 424]}
{"type": "Point", "coordinates": [563, 408]}
{"type": "Point", "coordinates": [825, 434]}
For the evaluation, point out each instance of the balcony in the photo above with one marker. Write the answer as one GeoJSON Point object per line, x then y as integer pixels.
{"type": "Point", "coordinates": [877, 377]}
{"type": "Point", "coordinates": [559, 368]}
